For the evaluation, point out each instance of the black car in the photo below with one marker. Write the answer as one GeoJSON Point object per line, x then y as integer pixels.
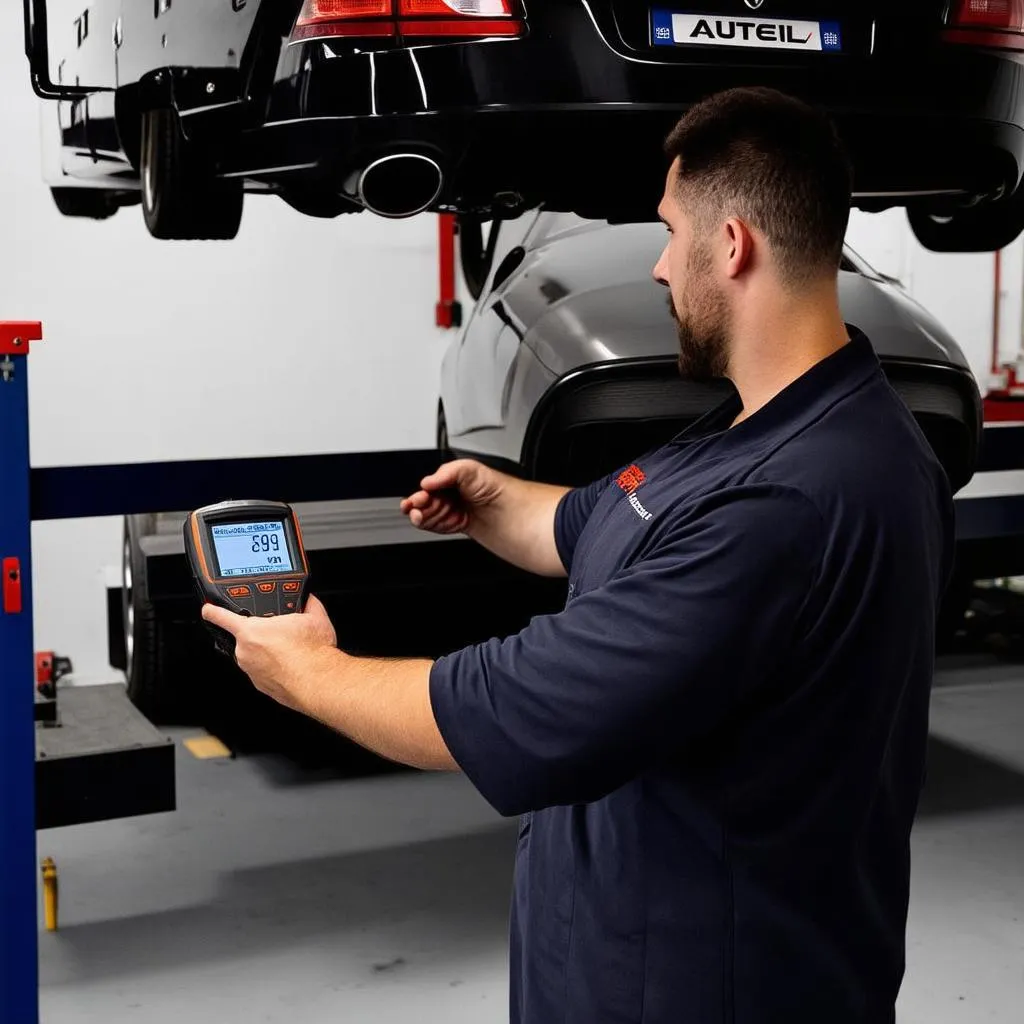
{"type": "Point", "coordinates": [491, 106]}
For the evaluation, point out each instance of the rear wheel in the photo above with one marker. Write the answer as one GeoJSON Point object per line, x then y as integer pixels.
{"type": "Point", "coordinates": [166, 662]}
{"type": "Point", "coordinates": [182, 197]}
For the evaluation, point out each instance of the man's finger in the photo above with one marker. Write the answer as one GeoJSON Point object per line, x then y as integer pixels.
{"type": "Point", "coordinates": [221, 617]}
{"type": "Point", "coordinates": [434, 503]}
{"type": "Point", "coordinates": [419, 500]}
{"type": "Point", "coordinates": [454, 524]}
{"type": "Point", "coordinates": [439, 515]}
{"type": "Point", "coordinates": [437, 511]}
{"type": "Point", "coordinates": [422, 522]}
{"type": "Point", "coordinates": [449, 521]}
{"type": "Point", "coordinates": [446, 476]}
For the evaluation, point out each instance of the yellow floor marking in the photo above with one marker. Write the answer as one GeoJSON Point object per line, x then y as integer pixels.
{"type": "Point", "coordinates": [206, 747]}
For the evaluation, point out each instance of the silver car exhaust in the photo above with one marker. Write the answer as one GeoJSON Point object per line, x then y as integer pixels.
{"type": "Point", "coordinates": [397, 185]}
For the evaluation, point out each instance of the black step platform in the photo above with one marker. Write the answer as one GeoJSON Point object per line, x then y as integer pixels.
{"type": "Point", "coordinates": [103, 760]}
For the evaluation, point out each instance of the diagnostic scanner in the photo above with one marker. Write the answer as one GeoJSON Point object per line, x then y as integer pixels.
{"type": "Point", "coordinates": [247, 556]}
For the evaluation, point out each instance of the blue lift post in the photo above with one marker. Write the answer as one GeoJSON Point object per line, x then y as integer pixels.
{"type": "Point", "coordinates": [19, 989]}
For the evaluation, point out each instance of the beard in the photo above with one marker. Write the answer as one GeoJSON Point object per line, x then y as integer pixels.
{"type": "Point", "coordinates": [703, 323]}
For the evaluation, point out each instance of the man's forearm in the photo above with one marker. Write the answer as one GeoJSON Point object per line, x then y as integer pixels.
{"type": "Point", "coordinates": [520, 526]}
{"type": "Point", "coordinates": [381, 704]}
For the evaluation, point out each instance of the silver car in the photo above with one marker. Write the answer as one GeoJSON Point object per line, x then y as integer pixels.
{"type": "Point", "coordinates": [566, 368]}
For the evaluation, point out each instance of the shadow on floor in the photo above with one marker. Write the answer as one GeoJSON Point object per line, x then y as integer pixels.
{"type": "Point", "coordinates": [961, 780]}
{"type": "Point", "coordinates": [440, 898]}
{"type": "Point", "coordinates": [333, 763]}
{"type": "Point", "coordinates": [290, 749]}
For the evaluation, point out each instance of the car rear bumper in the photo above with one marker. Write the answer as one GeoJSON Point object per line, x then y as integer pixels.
{"type": "Point", "coordinates": [942, 118]}
{"type": "Point", "coordinates": [599, 416]}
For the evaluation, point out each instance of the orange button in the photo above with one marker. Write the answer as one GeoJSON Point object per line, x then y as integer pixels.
{"type": "Point", "coordinates": [267, 588]}
{"type": "Point", "coordinates": [290, 588]}
{"type": "Point", "coordinates": [290, 605]}
{"type": "Point", "coordinates": [239, 592]}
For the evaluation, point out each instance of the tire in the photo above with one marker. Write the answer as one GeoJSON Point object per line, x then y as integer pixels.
{"type": "Point", "coordinates": [986, 227]}
{"type": "Point", "coordinates": [166, 662]}
{"type": "Point", "coordinates": [91, 203]}
{"type": "Point", "coordinates": [182, 198]}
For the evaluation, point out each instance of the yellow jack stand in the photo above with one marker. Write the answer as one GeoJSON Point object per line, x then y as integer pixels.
{"type": "Point", "coordinates": [50, 893]}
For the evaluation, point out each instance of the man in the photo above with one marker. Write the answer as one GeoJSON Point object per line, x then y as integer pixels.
{"type": "Point", "coordinates": [717, 746]}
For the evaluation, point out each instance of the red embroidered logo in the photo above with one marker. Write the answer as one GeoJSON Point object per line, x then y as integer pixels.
{"type": "Point", "coordinates": [630, 479]}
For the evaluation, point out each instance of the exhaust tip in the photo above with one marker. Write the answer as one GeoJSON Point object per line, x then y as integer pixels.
{"type": "Point", "coordinates": [400, 185]}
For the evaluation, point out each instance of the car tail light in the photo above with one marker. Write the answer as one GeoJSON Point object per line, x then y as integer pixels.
{"type": "Point", "coordinates": [446, 8]}
{"type": "Point", "coordinates": [457, 18]}
{"type": "Point", "coordinates": [998, 23]}
{"type": "Point", "coordinates": [323, 18]}
{"type": "Point", "coordinates": [1003, 15]}
{"type": "Point", "coordinates": [441, 19]}
{"type": "Point", "coordinates": [327, 9]}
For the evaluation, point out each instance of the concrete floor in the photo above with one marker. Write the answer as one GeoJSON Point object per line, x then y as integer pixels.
{"type": "Point", "coordinates": [282, 895]}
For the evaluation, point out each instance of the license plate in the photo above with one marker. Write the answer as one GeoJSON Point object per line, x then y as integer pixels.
{"type": "Point", "coordinates": [671, 28]}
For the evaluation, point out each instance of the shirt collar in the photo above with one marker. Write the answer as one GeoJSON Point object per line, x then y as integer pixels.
{"type": "Point", "coordinates": [800, 402]}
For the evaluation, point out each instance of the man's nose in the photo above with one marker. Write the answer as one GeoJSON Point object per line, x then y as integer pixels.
{"type": "Point", "coordinates": [660, 271]}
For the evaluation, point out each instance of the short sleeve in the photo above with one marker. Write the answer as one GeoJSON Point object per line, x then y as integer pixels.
{"type": "Point", "coordinates": [627, 675]}
{"type": "Point", "coordinates": [572, 514]}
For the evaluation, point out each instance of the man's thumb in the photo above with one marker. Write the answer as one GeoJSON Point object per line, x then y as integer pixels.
{"type": "Point", "coordinates": [314, 606]}
{"type": "Point", "coordinates": [444, 477]}
{"type": "Point", "coordinates": [221, 617]}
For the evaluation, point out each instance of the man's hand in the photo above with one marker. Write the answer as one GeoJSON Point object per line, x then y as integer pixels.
{"type": "Point", "coordinates": [454, 498]}
{"type": "Point", "coordinates": [513, 518]}
{"type": "Point", "coordinates": [382, 704]}
{"type": "Point", "coordinates": [285, 655]}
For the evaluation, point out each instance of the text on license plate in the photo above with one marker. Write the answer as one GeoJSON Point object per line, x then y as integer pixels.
{"type": "Point", "coordinates": [669, 28]}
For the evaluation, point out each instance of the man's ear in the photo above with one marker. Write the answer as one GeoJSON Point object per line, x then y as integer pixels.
{"type": "Point", "coordinates": [739, 247]}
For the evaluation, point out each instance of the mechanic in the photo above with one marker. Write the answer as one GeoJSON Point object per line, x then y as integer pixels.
{"type": "Point", "coordinates": [718, 745]}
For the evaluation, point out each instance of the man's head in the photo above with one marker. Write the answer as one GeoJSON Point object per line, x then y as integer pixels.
{"type": "Point", "coordinates": [757, 198]}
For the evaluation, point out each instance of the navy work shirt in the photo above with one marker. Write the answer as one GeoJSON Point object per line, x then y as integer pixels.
{"type": "Point", "coordinates": [717, 746]}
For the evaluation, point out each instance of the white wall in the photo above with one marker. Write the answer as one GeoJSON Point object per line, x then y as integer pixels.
{"type": "Point", "coordinates": [157, 350]}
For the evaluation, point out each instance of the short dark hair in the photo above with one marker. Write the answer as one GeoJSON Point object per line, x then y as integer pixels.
{"type": "Point", "coordinates": [776, 162]}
